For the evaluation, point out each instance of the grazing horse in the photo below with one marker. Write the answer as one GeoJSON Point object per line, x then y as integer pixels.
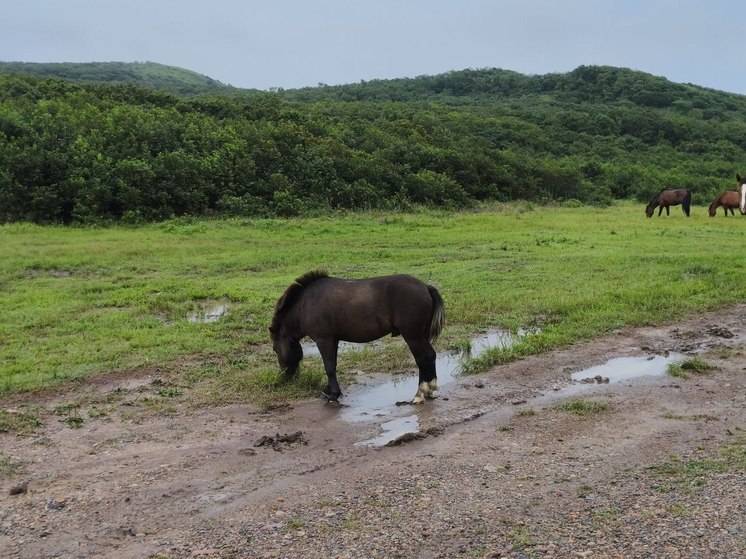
{"type": "Point", "coordinates": [667, 198]}
{"type": "Point", "coordinates": [728, 200]}
{"type": "Point", "coordinates": [731, 199]}
{"type": "Point", "coordinates": [329, 310]}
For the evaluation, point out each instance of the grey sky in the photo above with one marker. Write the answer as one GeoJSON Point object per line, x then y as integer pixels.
{"type": "Point", "coordinates": [290, 43]}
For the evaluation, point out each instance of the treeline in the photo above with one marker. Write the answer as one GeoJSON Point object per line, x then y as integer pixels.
{"type": "Point", "coordinates": [91, 153]}
{"type": "Point", "coordinates": [146, 74]}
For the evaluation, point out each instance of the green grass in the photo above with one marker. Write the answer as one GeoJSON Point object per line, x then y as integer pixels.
{"type": "Point", "coordinates": [583, 407]}
{"type": "Point", "coordinates": [83, 301]}
{"type": "Point", "coordinates": [695, 365]}
{"type": "Point", "coordinates": [694, 472]}
{"type": "Point", "coordinates": [8, 466]}
{"type": "Point", "coordinates": [21, 422]}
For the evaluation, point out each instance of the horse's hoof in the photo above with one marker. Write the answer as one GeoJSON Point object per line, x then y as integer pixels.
{"type": "Point", "coordinates": [418, 399]}
{"type": "Point", "coordinates": [331, 397]}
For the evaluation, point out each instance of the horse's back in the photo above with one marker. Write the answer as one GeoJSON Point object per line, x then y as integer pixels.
{"type": "Point", "coordinates": [366, 309]}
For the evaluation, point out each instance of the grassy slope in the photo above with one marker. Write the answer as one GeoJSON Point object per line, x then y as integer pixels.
{"type": "Point", "coordinates": [81, 301]}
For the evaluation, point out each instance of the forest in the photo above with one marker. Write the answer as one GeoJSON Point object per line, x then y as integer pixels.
{"type": "Point", "coordinates": [89, 150]}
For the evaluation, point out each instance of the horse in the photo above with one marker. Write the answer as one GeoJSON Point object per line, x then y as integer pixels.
{"type": "Point", "coordinates": [728, 200]}
{"type": "Point", "coordinates": [731, 199]}
{"type": "Point", "coordinates": [329, 310]}
{"type": "Point", "coordinates": [667, 198]}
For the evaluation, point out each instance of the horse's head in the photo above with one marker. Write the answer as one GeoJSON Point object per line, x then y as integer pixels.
{"type": "Point", "coordinates": [713, 208]}
{"type": "Point", "coordinates": [288, 350]}
{"type": "Point", "coordinates": [650, 208]}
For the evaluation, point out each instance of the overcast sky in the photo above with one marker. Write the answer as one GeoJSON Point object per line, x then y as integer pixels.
{"type": "Point", "coordinates": [292, 43]}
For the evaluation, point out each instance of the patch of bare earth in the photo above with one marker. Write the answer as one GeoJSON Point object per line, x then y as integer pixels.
{"type": "Point", "coordinates": [496, 470]}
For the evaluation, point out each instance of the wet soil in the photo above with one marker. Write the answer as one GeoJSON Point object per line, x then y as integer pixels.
{"type": "Point", "coordinates": [492, 468]}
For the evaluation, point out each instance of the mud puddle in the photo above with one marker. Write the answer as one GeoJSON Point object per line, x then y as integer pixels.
{"type": "Point", "coordinates": [378, 399]}
{"type": "Point", "coordinates": [311, 350]}
{"type": "Point", "coordinates": [621, 369]}
{"type": "Point", "coordinates": [209, 311]}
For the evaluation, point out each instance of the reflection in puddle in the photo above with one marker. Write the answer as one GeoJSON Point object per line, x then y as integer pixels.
{"type": "Point", "coordinates": [621, 369]}
{"type": "Point", "coordinates": [365, 403]}
{"type": "Point", "coordinates": [210, 311]}
{"type": "Point", "coordinates": [392, 430]}
{"type": "Point", "coordinates": [311, 350]}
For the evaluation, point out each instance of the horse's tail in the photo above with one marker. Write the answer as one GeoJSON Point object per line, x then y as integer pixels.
{"type": "Point", "coordinates": [439, 314]}
{"type": "Point", "coordinates": [687, 203]}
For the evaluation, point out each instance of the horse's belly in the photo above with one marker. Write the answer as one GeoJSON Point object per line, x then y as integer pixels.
{"type": "Point", "coordinates": [363, 333]}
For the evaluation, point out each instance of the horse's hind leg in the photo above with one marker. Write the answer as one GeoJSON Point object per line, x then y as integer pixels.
{"type": "Point", "coordinates": [424, 355]}
{"type": "Point", "coordinates": [668, 210]}
{"type": "Point", "coordinates": [328, 350]}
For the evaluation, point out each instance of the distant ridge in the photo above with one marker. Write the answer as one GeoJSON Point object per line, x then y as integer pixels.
{"type": "Point", "coordinates": [90, 153]}
{"type": "Point", "coordinates": [148, 74]}
{"type": "Point", "coordinates": [581, 85]}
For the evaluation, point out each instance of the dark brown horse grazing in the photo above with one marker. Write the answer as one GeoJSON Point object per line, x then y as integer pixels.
{"type": "Point", "coordinates": [667, 198]}
{"type": "Point", "coordinates": [329, 310]}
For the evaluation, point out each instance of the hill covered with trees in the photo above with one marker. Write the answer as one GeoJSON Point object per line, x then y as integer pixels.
{"type": "Point", "coordinates": [146, 74]}
{"type": "Point", "coordinates": [84, 152]}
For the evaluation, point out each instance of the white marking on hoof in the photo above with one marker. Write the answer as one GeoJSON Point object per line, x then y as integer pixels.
{"type": "Point", "coordinates": [423, 391]}
{"type": "Point", "coordinates": [433, 388]}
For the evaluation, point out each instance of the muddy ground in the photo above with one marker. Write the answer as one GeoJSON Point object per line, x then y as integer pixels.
{"type": "Point", "coordinates": [494, 467]}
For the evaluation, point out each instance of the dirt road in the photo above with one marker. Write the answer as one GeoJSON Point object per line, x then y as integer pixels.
{"type": "Point", "coordinates": [495, 467]}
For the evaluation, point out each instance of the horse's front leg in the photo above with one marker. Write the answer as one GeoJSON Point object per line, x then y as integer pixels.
{"type": "Point", "coordinates": [668, 210]}
{"type": "Point", "coordinates": [424, 356]}
{"type": "Point", "coordinates": [328, 350]}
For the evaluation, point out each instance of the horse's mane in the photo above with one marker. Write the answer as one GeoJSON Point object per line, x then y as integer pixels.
{"type": "Point", "coordinates": [291, 294]}
{"type": "Point", "coordinates": [654, 199]}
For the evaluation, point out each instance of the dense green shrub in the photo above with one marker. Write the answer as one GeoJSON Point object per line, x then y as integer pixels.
{"type": "Point", "coordinates": [88, 153]}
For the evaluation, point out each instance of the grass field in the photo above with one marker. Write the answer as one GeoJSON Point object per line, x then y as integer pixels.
{"type": "Point", "coordinates": [79, 302]}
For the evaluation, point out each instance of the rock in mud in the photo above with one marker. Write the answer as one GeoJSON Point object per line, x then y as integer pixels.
{"type": "Point", "coordinates": [719, 331]}
{"type": "Point", "coordinates": [20, 489]}
{"type": "Point", "coordinates": [56, 504]}
{"type": "Point", "coordinates": [278, 440]}
{"type": "Point", "coordinates": [406, 438]}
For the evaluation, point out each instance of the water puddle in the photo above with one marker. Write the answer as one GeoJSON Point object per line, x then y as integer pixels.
{"type": "Point", "coordinates": [209, 311]}
{"type": "Point", "coordinates": [311, 350]}
{"type": "Point", "coordinates": [392, 430]}
{"type": "Point", "coordinates": [378, 399]}
{"type": "Point", "coordinates": [623, 369]}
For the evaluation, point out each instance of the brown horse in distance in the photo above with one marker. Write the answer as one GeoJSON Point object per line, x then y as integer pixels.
{"type": "Point", "coordinates": [329, 310]}
{"type": "Point", "coordinates": [731, 199]}
{"type": "Point", "coordinates": [728, 200]}
{"type": "Point", "coordinates": [670, 197]}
